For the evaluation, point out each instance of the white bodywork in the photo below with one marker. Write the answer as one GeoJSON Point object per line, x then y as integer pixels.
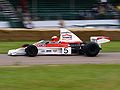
{"type": "Point", "coordinates": [54, 50]}
{"type": "Point", "coordinates": [99, 39]}
{"type": "Point", "coordinates": [68, 36]}
{"type": "Point", "coordinates": [43, 51]}
{"type": "Point", "coordinates": [19, 51]}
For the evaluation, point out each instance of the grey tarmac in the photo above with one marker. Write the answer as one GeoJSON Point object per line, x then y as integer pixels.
{"type": "Point", "coordinates": [102, 58]}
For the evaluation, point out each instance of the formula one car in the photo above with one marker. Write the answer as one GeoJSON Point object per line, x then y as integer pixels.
{"type": "Point", "coordinates": [68, 44]}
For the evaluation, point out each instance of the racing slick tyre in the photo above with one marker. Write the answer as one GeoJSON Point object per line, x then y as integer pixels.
{"type": "Point", "coordinates": [81, 52]}
{"type": "Point", "coordinates": [91, 49]}
{"type": "Point", "coordinates": [31, 51]}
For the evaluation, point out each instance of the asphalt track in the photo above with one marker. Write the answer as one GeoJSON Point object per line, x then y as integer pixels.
{"type": "Point", "coordinates": [102, 58]}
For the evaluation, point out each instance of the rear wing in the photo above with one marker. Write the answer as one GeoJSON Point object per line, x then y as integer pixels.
{"type": "Point", "coordinates": [68, 36]}
{"type": "Point", "coordinates": [99, 39]}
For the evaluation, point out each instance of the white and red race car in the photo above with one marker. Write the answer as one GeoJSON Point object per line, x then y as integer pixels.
{"type": "Point", "coordinates": [68, 44]}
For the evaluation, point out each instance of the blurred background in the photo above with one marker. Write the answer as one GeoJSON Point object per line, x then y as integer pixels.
{"type": "Point", "coordinates": [47, 13]}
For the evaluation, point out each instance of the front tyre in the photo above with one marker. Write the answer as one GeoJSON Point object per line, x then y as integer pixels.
{"type": "Point", "coordinates": [31, 51]}
{"type": "Point", "coordinates": [91, 49]}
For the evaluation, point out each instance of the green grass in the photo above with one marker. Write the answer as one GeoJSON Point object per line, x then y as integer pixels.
{"type": "Point", "coordinates": [113, 46]}
{"type": "Point", "coordinates": [60, 77]}
{"type": "Point", "coordinates": [7, 45]}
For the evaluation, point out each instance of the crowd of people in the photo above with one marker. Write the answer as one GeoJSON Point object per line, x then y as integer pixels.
{"type": "Point", "coordinates": [100, 10]}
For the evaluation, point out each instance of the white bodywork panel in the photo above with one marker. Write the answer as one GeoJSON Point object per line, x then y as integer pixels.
{"type": "Point", "coordinates": [19, 51]}
{"type": "Point", "coordinates": [99, 39]}
{"type": "Point", "coordinates": [54, 50]}
{"type": "Point", "coordinates": [68, 36]}
{"type": "Point", "coordinates": [43, 51]}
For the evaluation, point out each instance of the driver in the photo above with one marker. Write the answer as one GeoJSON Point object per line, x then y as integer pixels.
{"type": "Point", "coordinates": [54, 38]}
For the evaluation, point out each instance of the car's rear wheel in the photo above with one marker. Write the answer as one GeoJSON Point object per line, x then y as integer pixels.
{"type": "Point", "coordinates": [81, 52]}
{"type": "Point", "coordinates": [31, 51]}
{"type": "Point", "coordinates": [91, 49]}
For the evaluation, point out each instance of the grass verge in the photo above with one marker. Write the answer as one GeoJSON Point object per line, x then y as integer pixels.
{"type": "Point", "coordinates": [60, 77]}
{"type": "Point", "coordinates": [113, 46]}
{"type": "Point", "coordinates": [7, 45]}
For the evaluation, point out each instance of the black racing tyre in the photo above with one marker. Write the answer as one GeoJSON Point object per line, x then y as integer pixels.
{"type": "Point", "coordinates": [91, 49]}
{"type": "Point", "coordinates": [31, 51]}
{"type": "Point", "coordinates": [81, 52]}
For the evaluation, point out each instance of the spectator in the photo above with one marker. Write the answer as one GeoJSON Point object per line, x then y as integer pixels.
{"type": "Point", "coordinates": [99, 10]}
{"type": "Point", "coordinates": [61, 23]}
{"type": "Point", "coordinates": [27, 21]}
{"type": "Point", "coordinates": [118, 7]}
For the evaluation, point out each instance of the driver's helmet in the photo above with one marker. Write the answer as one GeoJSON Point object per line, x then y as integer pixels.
{"type": "Point", "coordinates": [54, 38]}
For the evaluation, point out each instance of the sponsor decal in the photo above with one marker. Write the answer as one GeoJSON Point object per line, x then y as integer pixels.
{"type": "Point", "coordinates": [48, 51]}
{"type": "Point", "coordinates": [66, 37]}
{"type": "Point", "coordinates": [54, 50]}
{"type": "Point", "coordinates": [43, 51]}
{"type": "Point", "coordinates": [40, 45]}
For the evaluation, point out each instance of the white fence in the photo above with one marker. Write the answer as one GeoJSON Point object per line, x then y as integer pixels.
{"type": "Point", "coordinates": [38, 24]}
{"type": "Point", "coordinates": [4, 24]}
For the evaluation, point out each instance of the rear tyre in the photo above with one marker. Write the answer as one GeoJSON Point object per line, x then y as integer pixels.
{"type": "Point", "coordinates": [31, 51]}
{"type": "Point", "coordinates": [81, 52]}
{"type": "Point", "coordinates": [91, 49]}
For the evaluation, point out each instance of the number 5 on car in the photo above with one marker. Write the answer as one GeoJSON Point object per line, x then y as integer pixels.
{"type": "Point", "coordinates": [66, 50]}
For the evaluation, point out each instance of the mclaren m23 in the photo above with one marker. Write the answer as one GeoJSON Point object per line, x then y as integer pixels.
{"type": "Point", "coordinates": [68, 44]}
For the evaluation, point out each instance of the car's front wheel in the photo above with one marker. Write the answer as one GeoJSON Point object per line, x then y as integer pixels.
{"type": "Point", "coordinates": [31, 51]}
